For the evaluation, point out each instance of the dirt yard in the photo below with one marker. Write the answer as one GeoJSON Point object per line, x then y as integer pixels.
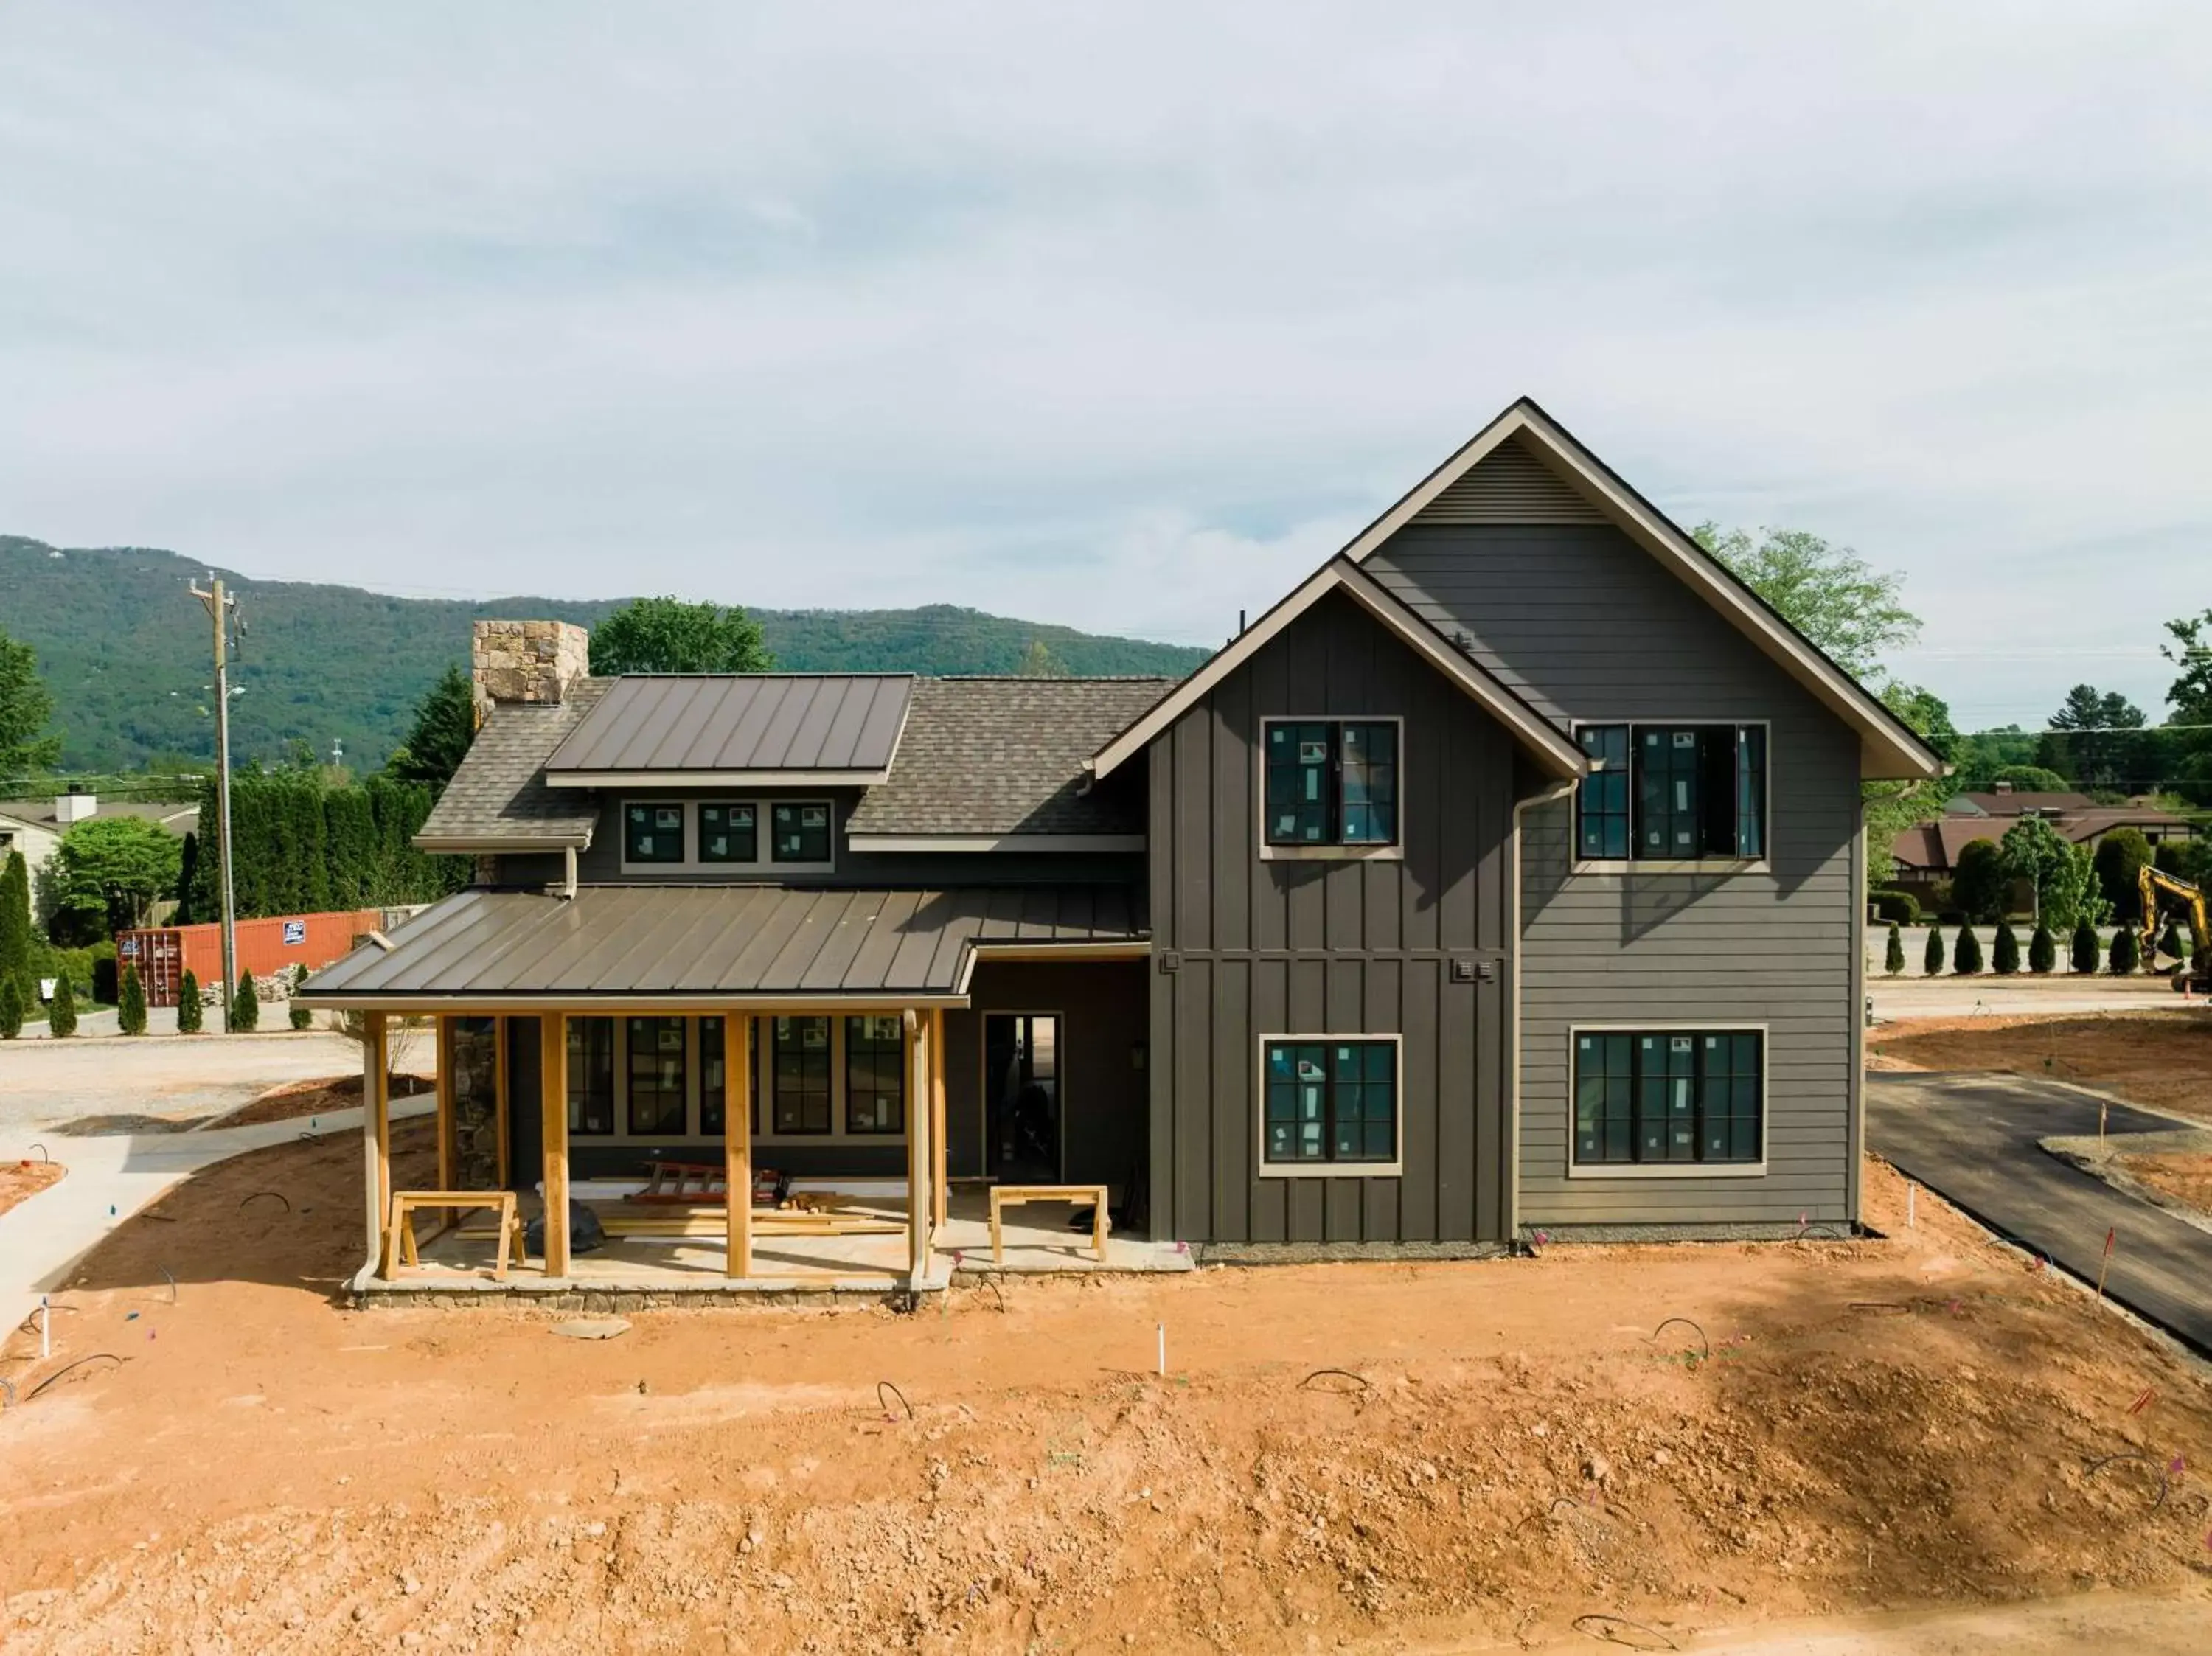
{"type": "Point", "coordinates": [2163, 1060]}
{"type": "Point", "coordinates": [319, 1096]}
{"type": "Point", "coordinates": [1365, 1456]}
{"type": "Point", "coordinates": [20, 1180]}
{"type": "Point", "coordinates": [2187, 1180]}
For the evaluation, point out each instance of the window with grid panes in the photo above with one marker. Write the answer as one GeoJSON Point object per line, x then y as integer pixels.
{"type": "Point", "coordinates": [875, 1075]}
{"type": "Point", "coordinates": [1330, 1102]}
{"type": "Point", "coordinates": [1672, 792]}
{"type": "Point", "coordinates": [1663, 1096]}
{"type": "Point", "coordinates": [652, 831]}
{"type": "Point", "coordinates": [800, 1076]}
{"type": "Point", "coordinates": [1331, 782]}
{"type": "Point", "coordinates": [728, 833]}
{"type": "Point", "coordinates": [714, 1076]}
{"type": "Point", "coordinates": [799, 832]}
{"type": "Point", "coordinates": [590, 1076]}
{"type": "Point", "coordinates": [655, 1068]}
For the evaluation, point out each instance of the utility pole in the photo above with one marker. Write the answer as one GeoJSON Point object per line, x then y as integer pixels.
{"type": "Point", "coordinates": [218, 607]}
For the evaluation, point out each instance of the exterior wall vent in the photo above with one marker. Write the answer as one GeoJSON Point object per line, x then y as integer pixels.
{"type": "Point", "coordinates": [1510, 485]}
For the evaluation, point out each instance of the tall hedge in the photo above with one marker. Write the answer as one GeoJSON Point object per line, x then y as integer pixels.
{"type": "Point", "coordinates": [300, 846]}
{"type": "Point", "coordinates": [1893, 956]}
{"type": "Point", "coordinates": [1931, 957]}
{"type": "Point", "coordinates": [1966, 956]}
{"type": "Point", "coordinates": [2083, 952]}
{"type": "Point", "coordinates": [2004, 957]}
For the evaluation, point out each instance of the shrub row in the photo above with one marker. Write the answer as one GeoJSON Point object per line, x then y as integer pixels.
{"type": "Point", "coordinates": [2121, 957]}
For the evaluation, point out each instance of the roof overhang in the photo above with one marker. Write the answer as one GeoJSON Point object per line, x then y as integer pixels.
{"type": "Point", "coordinates": [489, 845]}
{"type": "Point", "coordinates": [1544, 740]}
{"type": "Point", "coordinates": [999, 842]}
{"type": "Point", "coordinates": [674, 779]}
{"type": "Point", "coordinates": [639, 1006]}
{"type": "Point", "coordinates": [1888, 748]}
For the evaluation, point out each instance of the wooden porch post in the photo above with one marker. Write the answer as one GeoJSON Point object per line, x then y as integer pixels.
{"type": "Point", "coordinates": [441, 1029]}
{"type": "Point", "coordinates": [376, 1135]}
{"type": "Point", "coordinates": [940, 1187]}
{"type": "Point", "coordinates": [500, 1033]}
{"type": "Point", "coordinates": [737, 1140]}
{"type": "Point", "coordinates": [917, 1143]}
{"type": "Point", "coordinates": [553, 1108]}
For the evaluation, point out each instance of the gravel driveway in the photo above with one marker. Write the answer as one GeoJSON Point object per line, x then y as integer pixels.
{"type": "Point", "coordinates": [45, 1084]}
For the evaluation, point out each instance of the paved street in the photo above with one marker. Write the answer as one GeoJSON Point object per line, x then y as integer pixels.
{"type": "Point", "coordinates": [1972, 1138]}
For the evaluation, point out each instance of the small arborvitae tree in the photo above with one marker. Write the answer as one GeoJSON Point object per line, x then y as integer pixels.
{"type": "Point", "coordinates": [131, 1004]}
{"type": "Point", "coordinates": [245, 1007]}
{"type": "Point", "coordinates": [300, 1016]}
{"type": "Point", "coordinates": [2125, 955]}
{"type": "Point", "coordinates": [11, 1008]}
{"type": "Point", "coordinates": [2083, 952]}
{"type": "Point", "coordinates": [1893, 957]}
{"type": "Point", "coordinates": [61, 1010]}
{"type": "Point", "coordinates": [1967, 954]}
{"type": "Point", "coordinates": [2169, 941]}
{"type": "Point", "coordinates": [1931, 958]}
{"type": "Point", "coordinates": [2042, 950]}
{"type": "Point", "coordinates": [2005, 956]}
{"type": "Point", "coordinates": [188, 1005]}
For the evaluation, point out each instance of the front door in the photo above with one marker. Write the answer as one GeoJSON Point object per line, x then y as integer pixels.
{"type": "Point", "coordinates": [1022, 1097]}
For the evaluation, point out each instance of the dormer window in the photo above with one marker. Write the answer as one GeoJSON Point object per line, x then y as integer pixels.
{"type": "Point", "coordinates": [800, 832]}
{"type": "Point", "coordinates": [652, 831]}
{"type": "Point", "coordinates": [1330, 782]}
{"type": "Point", "coordinates": [729, 833]}
{"type": "Point", "coordinates": [745, 839]}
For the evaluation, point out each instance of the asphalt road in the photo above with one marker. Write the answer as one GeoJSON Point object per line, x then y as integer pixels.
{"type": "Point", "coordinates": [1972, 1139]}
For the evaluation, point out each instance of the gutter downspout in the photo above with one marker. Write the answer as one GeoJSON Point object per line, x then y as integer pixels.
{"type": "Point", "coordinates": [1557, 792]}
{"type": "Point", "coordinates": [569, 874]}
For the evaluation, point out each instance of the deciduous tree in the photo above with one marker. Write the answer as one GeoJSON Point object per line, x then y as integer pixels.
{"type": "Point", "coordinates": [109, 872]}
{"type": "Point", "coordinates": [2118, 860]}
{"type": "Point", "coordinates": [668, 635]}
{"type": "Point", "coordinates": [1980, 885]}
{"type": "Point", "coordinates": [26, 709]}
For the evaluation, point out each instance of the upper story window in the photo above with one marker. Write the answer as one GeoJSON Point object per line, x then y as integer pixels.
{"type": "Point", "coordinates": [729, 833]}
{"type": "Point", "coordinates": [652, 831]}
{"type": "Point", "coordinates": [1673, 793]}
{"type": "Point", "coordinates": [1331, 781]}
{"type": "Point", "coordinates": [800, 832]}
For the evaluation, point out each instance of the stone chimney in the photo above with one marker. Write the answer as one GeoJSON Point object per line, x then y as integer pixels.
{"type": "Point", "coordinates": [74, 807]}
{"type": "Point", "coordinates": [528, 661]}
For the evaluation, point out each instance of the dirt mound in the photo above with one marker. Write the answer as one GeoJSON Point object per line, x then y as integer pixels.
{"type": "Point", "coordinates": [2163, 1060]}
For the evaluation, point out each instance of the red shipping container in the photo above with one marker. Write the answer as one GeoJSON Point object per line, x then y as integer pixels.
{"type": "Point", "coordinates": [164, 954]}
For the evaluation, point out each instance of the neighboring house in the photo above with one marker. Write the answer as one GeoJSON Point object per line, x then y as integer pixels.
{"type": "Point", "coordinates": [35, 827]}
{"type": "Point", "coordinates": [1502, 876]}
{"type": "Point", "coordinates": [1929, 851]}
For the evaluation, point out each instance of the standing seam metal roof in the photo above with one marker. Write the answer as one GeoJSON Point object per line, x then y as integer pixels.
{"type": "Point", "coordinates": [741, 722]}
{"type": "Point", "coordinates": [499, 792]}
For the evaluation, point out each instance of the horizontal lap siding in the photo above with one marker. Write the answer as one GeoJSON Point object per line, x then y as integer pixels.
{"type": "Point", "coordinates": [1588, 625]}
{"type": "Point", "coordinates": [1336, 947]}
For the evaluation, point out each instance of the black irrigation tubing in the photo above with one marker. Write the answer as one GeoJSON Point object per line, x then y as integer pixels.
{"type": "Point", "coordinates": [882, 1386]}
{"type": "Point", "coordinates": [996, 1291]}
{"type": "Point", "coordinates": [2094, 1466]}
{"type": "Point", "coordinates": [42, 1150]}
{"type": "Point", "coordinates": [79, 1363]}
{"type": "Point", "coordinates": [1365, 1384]}
{"type": "Point", "coordinates": [31, 1321]}
{"type": "Point", "coordinates": [1706, 1344]}
{"type": "Point", "coordinates": [259, 1194]}
{"type": "Point", "coordinates": [1610, 1632]}
{"type": "Point", "coordinates": [1883, 1307]}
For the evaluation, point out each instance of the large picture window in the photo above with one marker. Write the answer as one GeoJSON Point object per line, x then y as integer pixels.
{"type": "Point", "coordinates": [1331, 782]}
{"type": "Point", "coordinates": [655, 1074]}
{"type": "Point", "coordinates": [875, 1075]}
{"type": "Point", "coordinates": [800, 1082]}
{"type": "Point", "coordinates": [1662, 1097]}
{"type": "Point", "coordinates": [590, 1076]}
{"type": "Point", "coordinates": [1671, 793]}
{"type": "Point", "coordinates": [1327, 1100]}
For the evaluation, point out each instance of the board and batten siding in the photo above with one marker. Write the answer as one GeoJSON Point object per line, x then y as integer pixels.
{"type": "Point", "coordinates": [1328, 947]}
{"type": "Point", "coordinates": [1588, 626]}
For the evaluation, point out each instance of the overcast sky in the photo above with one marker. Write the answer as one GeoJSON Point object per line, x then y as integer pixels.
{"type": "Point", "coordinates": [1119, 316]}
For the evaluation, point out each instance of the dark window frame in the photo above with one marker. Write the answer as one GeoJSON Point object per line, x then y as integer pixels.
{"type": "Point", "coordinates": [1347, 785]}
{"type": "Point", "coordinates": [803, 1096]}
{"type": "Point", "coordinates": [1660, 1093]}
{"type": "Point", "coordinates": [585, 1068]}
{"type": "Point", "coordinates": [871, 1043]}
{"type": "Point", "coordinates": [1346, 1101]}
{"type": "Point", "coordinates": [630, 858]}
{"type": "Point", "coordinates": [1622, 803]}
{"type": "Point", "coordinates": [827, 825]}
{"type": "Point", "coordinates": [752, 831]}
{"type": "Point", "coordinates": [659, 1053]}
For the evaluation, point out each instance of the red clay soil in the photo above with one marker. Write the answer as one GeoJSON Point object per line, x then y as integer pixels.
{"type": "Point", "coordinates": [319, 1095]}
{"type": "Point", "coordinates": [1373, 1457]}
{"type": "Point", "coordinates": [2163, 1060]}
{"type": "Point", "coordinates": [20, 1180]}
{"type": "Point", "coordinates": [2187, 1178]}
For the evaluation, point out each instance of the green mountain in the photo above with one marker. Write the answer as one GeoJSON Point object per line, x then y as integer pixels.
{"type": "Point", "coordinates": [124, 649]}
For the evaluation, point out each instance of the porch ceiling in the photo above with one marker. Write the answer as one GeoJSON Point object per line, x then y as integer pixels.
{"type": "Point", "coordinates": [721, 944]}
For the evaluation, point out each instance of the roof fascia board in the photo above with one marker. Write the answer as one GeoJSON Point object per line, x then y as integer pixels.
{"type": "Point", "coordinates": [643, 1003]}
{"type": "Point", "coordinates": [670, 778]}
{"type": "Point", "coordinates": [1338, 573]}
{"type": "Point", "coordinates": [489, 845]}
{"type": "Point", "coordinates": [994, 842]}
{"type": "Point", "coordinates": [1877, 726]}
{"type": "Point", "coordinates": [1134, 949]}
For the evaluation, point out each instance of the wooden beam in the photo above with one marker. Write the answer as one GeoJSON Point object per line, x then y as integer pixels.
{"type": "Point", "coordinates": [738, 1141]}
{"type": "Point", "coordinates": [553, 1110]}
{"type": "Point", "coordinates": [442, 1046]}
{"type": "Point", "coordinates": [916, 1043]}
{"type": "Point", "coordinates": [500, 1033]}
{"type": "Point", "coordinates": [940, 1185]}
{"type": "Point", "coordinates": [375, 1136]}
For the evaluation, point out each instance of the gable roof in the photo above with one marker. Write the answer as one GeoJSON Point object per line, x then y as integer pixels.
{"type": "Point", "coordinates": [1005, 757]}
{"type": "Point", "coordinates": [1543, 739]}
{"type": "Point", "coordinates": [498, 800]}
{"type": "Point", "coordinates": [179, 819]}
{"type": "Point", "coordinates": [1889, 747]}
{"type": "Point", "coordinates": [737, 727]}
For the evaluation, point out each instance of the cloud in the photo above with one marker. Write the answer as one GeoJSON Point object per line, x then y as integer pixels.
{"type": "Point", "coordinates": [1120, 316]}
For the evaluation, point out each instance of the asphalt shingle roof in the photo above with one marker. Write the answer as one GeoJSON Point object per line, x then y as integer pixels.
{"type": "Point", "coordinates": [1006, 756]}
{"type": "Point", "coordinates": [499, 791]}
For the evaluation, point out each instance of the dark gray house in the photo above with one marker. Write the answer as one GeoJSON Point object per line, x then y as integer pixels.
{"type": "Point", "coordinates": [1502, 877]}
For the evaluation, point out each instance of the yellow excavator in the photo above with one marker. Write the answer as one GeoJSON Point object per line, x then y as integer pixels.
{"type": "Point", "coordinates": [2196, 971]}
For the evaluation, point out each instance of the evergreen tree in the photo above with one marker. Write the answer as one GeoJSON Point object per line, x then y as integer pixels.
{"type": "Point", "coordinates": [2084, 951]}
{"type": "Point", "coordinates": [16, 927]}
{"type": "Point", "coordinates": [11, 1008]}
{"type": "Point", "coordinates": [2125, 955]}
{"type": "Point", "coordinates": [1967, 954]}
{"type": "Point", "coordinates": [2170, 943]}
{"type": "Point", "coordinates": [301, 1018]}
{"type": "Point", "coordinates": [445, 725]}
{"type": "Point", "coordinates": [1931, 958]}
{"type": "Point", "coordinates": [245, 1007]}
{"type": "Point", "coordinates": [2005, 956]}
{"type": "Point", "coordinates": [1892, 958]}
{"type": "Point", "coordinates": [2042, 951]}
{"type": "Point", "coordinates": [189, 1011]}
{"type": "Point", "coordinates": [131, 1003]}
{"type": "Point", "coordinates": [61, 1010]}
{"type": "Point", "coordinates": [350, 845]}
{"type": "Point", "coordinates": [188, 874]}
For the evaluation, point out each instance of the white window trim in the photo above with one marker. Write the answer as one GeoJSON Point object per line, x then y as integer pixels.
{"type": "Point", "coordinates": [1580, 865]}
{"type": "Point", "coordinates": [762, 864]}
{"type": "Point", "coordinates": [763, 1075]}
{"type": "Point", "coordinates": [1394, 1168]}
{"type": "Point", "coordinates": [1392, 852]}
{"type": "Point", "coordinates": [1634, 1170]}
